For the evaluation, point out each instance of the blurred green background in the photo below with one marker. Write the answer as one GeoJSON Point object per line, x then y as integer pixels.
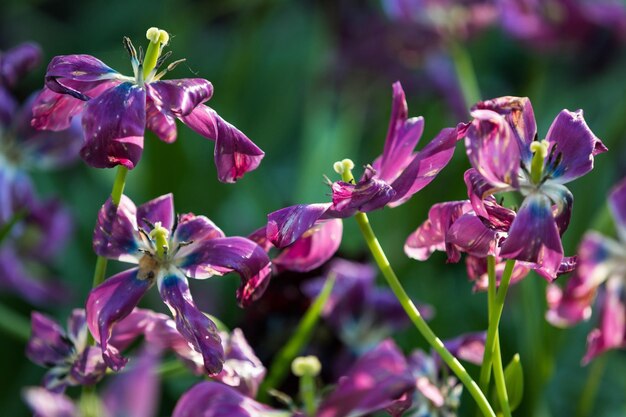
{"type": "Point", "coordinates": [283, 74]}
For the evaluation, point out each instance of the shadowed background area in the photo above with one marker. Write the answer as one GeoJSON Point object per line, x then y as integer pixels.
{"type": "Point", "coordinates": [310, 83]}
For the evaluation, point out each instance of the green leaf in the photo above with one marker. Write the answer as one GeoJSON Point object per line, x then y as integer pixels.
{"type": "Point", "coordinates": [514, 379]}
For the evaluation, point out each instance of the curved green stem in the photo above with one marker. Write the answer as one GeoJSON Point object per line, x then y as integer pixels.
{"type": "Point", "coordinates": [594, 378]}
{"type": "Point", "coordinates": [301, 336]}
{"type": "Point", "coordinates": [416, 317]}
{"type": "Point", "coordinates": [498, 372]}
{"type": "Point", "coordinates": [495, 307]}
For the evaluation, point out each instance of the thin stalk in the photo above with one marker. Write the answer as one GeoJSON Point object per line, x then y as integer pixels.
{"type": "Point", "coordinates": [496, 305]}
{"type": "Point", "coordinates": [14, 324]}
{"type": "Point", "coordinates": [307, 394]}
{"type": "Point", "coordinates": [498, 372]}
{"type": "Point", "coordinates": [465, 73]}
{"type": "Point", "coordinates": [590, 391]}
{"type": "Point", "coordinates": [416, 317]}
{"type": "Point", "coordinates": [301, 336]}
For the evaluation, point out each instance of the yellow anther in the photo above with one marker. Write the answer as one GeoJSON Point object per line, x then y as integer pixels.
{"type": "Point", "coordinates": [160, 234]}
{"type": "Point", "coordinates": [347, 164]}
{"type": "Point", "coordinates": [338, 167]}
{"type": "Point", "coordinates": [153, 34]}
{"type": "Point", "coordinates": [164, 37]}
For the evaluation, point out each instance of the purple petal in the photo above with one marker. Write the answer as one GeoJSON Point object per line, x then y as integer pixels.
{"type": "Point", "coordinates": [286, 225]}
{"type": "Point", "coordinates": [617, 203]}
{"type": "Point", "coordinates": [478, 189]}
{"type": "Point", "coordinates": [18, 61]}
{"type": "Point", "coordinates": [235, 154]}
{"type": "Point", "coordinates": [570, 137]}
{"type": "Point", "coordinates": [477, 272]}
{"type": "Point", "coordinates": [313, 248]}
{"type": "Point", "coordinates": [8, 106]}
{"type": "Point", "coordinates": [372, 384]}
{"type": "Point", "coordinates": [135, 392]}
{"type": "Point", "coordinates": [534, 236]}
{"type": "Point", "coordinates": [179, 97]}
{"type": "Point", "coordinates": [470, 234]}
{"type": "Point", "coordinates": [77, 74]}
{"type": "Point", "coordinates": [192, 324]}
{"type": "Point", "coordinates": [402, 137]}
{"type": "Point", "coordinates": [519, 114]}
{"type": "Point", "coordinates": [213, 399]}
{"type": "Point", "coordinates": [115, 235]}
{"type": "Point", "coordinates": [109, 303]}
{"type": "Point", "coordinates": [370, 193]}
{"type": "Point", "coordinates": [431, 235]}
{"type": "Point", "coordinates": [161, 123]}
{"type": "Point", "coordinates": [89, 367]}
{"type": "Point", "coordinates": [192, 231]}
{"type": "Point", "coordinates": [53, 224]}
{"type": "Point", "coordinates": [49, 404]}
{"type": "Point", "coordinates": [611, 333]}
{"type": "Point", "coordinates": [160, 209]}
{"type": "Point", "coordinates": [469, 347]}
{"type": "Point", "coordinates": [425, 166]}
{"type": "Point", "coordinates": [48, 344]}
{"type": "Point", "coordinates": [222, 255]}
{"type": "Point", "coordinates": [259, 236]}
{"type": "Point", "coordinates": [114, 124]}
{"type": "Point", "coordinates": [493, 149]}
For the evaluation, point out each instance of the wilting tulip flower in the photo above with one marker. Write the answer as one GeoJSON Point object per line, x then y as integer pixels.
{"type": "Point", "coordinates": [168, 249]}
{"type": "Point", "coordinates": [375, 381]}
{"type": "Point", "coordinates": [361, 313]}
{"type": "Point", "coordinates": [132, 393]}
{"type": "Point", "coordinates": [390, 181]}
{"type": "Point", "coordinates": [116, 109]}
{"type": "Point", "coordinates": [601, 260]}
{"type": "Point", "coordinates": [502, 147]}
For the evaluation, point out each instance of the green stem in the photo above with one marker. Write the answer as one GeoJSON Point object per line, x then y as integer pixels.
{"type": "Point", "coordinates": [594, 378]}
{"type": "Point", "coordinates": [307, 393]}
{"type": "Point", "coordinates": [465, 73]}
{"type": "Point", "coordinates": [495, 306]}
{"type": "Point", "coordinates": [416, 317]}
{"type": "Point", "coordinates": [301, 336]}
{"type": "Point", "coordinates": [14, 324]}
{"type": "Point", "coordinates": [498, 372]}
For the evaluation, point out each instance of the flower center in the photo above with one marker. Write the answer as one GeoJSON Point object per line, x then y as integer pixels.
{"type": "Point", "coordinates": [158, 39]}
{"type": "Point", "coordinates": [344, 168]}
{"type": "Point", "coordinates": [540, 151]}
{"type": "Point", "coordinates": [160, 235]}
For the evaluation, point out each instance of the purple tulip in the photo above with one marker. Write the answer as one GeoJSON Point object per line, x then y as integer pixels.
{"type": "Point", "coordinates": [601, 260]}
{"type": "Point", "coordinates": [502, 147]}
{"type": "Point", "coordinates": [167, 250]}
{"type": "Point", "coordinates": [390, 181]}
{"type": "Point", "coordinates": [116, 110]}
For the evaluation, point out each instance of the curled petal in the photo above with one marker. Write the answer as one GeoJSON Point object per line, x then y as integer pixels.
{"type": "Point", "coordinates": [48, 344]}
{"type": "Point", "coordinates": [192, 324]}
{"type": "Point", "coordinates": [163, 124]}
{"type": "Point", "coordinates": [114, 124]}
{"type": "Point", "coordinates": [424, 166]}
{"type": "Point", "coordinates": [213, 399]}
{"type": "Point", "coordinates": [89, 367]}
{"type": "Point", "coordinates": [617, 203]}
{"type": "Point", "coordinates": [373, 383]}
{"type": "Point", "coordinates": [235, 154]}
{"type": "Point", "coordinates": [402, 137]}
{"type": "Point", "coordinates": [109, 303]}
{"type": "Point", "coordinates": [534, 236]}
{"type": "Point", "coordinates": [160, 209]}
{"type": "Point", "coordinates": [179, 97]}
{"type": "Point", "coordinates": [470, 234]}
{"type": "Point", "coordinates": [493, 149]}
{"type": "Point", "coordinates": [313, 248]}
{"type": "Point", "coordinates": [370, 193]}
{"type": "Point", "coordinates": [286, 225]}
{"type": "Point", "coordinates": [259, 236]}
{"type": "Point", "coordinates": [190, 233]}
{"type": "Point", "coordinates": [18, 61]}
{"type": "Point", "coordinates": [431, 235]}
{"type": "Point", "coordinates": [115, 235]}
{"type": "Point", "coordinates": [77, 74]}
{"type": "Point", "coordinates": [478, 189]}
{"type": "Point", "coordinates": [570, 137]}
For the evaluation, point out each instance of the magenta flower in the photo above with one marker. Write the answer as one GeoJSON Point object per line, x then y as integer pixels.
{"type": "Point", "coordinates": [375, 381]}
{"type": "Point", "coordinates": [168, 249]}
{"type": "Point", "coordinates": [502, 147]}
{"type": "Point", "coordinates": [116, 109]}
{"type": "Point", "coordinates": [390, 181]}
{"type": "Point", "coordinates": [601, 260]}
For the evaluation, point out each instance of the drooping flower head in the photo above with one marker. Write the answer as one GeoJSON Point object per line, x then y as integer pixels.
{"type": "Point", "coordinates": [168, 249]}
{"type": "Point", "coordinates": [390, 181]}
{"type": "Point", "coordinates": [503, 148]}
{"type": "Point", "coordinates": [116, 109]}
{"type": "Point", "coordinates": [601, 260]}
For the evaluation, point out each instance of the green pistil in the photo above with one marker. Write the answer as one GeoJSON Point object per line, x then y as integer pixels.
{"type": "Point", "coordinates": [344, 168]}
{"type": "Point", "coordinates": [158, 38]}
{"type": "Point", "coordinates": [160, 235]}
{"type": "Point", "coordinates": [307, 368]}
{"type": "Point", "coordinates": [540, 151]}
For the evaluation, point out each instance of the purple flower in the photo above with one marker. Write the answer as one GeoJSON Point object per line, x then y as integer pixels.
{"type": "Point", "coordinates": [361, 313]}
{"type": "Point", "coordinates": [390, 181]}
{"type": "Point", "coordinates": [375, 381]}
{"type": "Point", "coordinates": [601, 260]}
{"type": "Point", "coordinates": [168, 249]}
{"type": "Point", "coordinates": [14, 64]}
{"type": "Point", "coordinates": [132, 393]}
{"type": "Point", "coordinates": [502, 147]}
{"type": "Point", "coordinates": [116, 109]}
